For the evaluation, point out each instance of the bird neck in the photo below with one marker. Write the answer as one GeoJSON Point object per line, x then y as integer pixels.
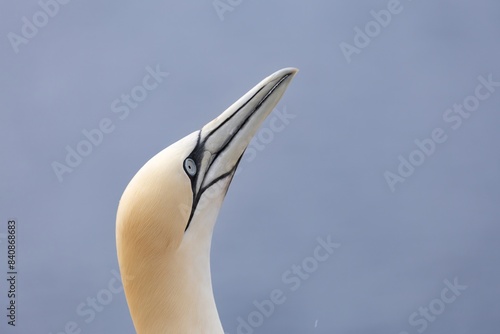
{"type": "Point", "coordinates": [166, 269]}
{"type": "Point", "coordinates": [170, 290]}
{"type": "Point", "coordinates": [173, 294]}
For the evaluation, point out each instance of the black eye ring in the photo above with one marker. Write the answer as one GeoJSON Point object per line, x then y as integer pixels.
{"type": "Point", "coordinates": [190, 166]}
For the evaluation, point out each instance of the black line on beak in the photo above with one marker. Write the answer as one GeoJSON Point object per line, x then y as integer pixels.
{"type": "Point", "coordinates": [197, 153]}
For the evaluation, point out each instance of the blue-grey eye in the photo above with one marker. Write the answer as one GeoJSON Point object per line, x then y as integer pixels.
{"type": "Point", "coordinates": [190, 166]}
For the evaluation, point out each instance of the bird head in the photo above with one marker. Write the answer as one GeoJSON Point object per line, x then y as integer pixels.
{"type": "Point", "coordinates": [190, 178]}
{"type": "Point", "coordinates": [167, 212]}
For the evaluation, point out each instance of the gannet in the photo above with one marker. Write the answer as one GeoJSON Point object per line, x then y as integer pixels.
{"type": "Point", "coordinates": [167, 213]}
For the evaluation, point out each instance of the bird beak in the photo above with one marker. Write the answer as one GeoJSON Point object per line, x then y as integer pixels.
{"type": "Point", "coordinates": [222, 142]}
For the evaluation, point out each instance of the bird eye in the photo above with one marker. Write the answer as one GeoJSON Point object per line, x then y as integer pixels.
{"type": "Point", "coordinates": [190, 166]}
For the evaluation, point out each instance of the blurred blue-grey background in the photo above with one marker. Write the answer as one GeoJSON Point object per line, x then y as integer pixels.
{"type": "Point", "coordinates": [367, 90]}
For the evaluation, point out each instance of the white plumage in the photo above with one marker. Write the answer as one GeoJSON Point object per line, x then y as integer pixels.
{"type": "Point", "coordinates": [168, 211]}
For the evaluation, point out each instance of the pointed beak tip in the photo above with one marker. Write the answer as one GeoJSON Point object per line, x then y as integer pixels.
{"type": "Point", "coordinates": [287, 71]}
{"type": "Point", "coordinates": [284, 72]}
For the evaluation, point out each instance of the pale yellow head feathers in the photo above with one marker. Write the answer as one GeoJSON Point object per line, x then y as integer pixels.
{"type": "Point", "coordinates": [152, 215]}
{"type": "Point", "coordinates": [167, 213]}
